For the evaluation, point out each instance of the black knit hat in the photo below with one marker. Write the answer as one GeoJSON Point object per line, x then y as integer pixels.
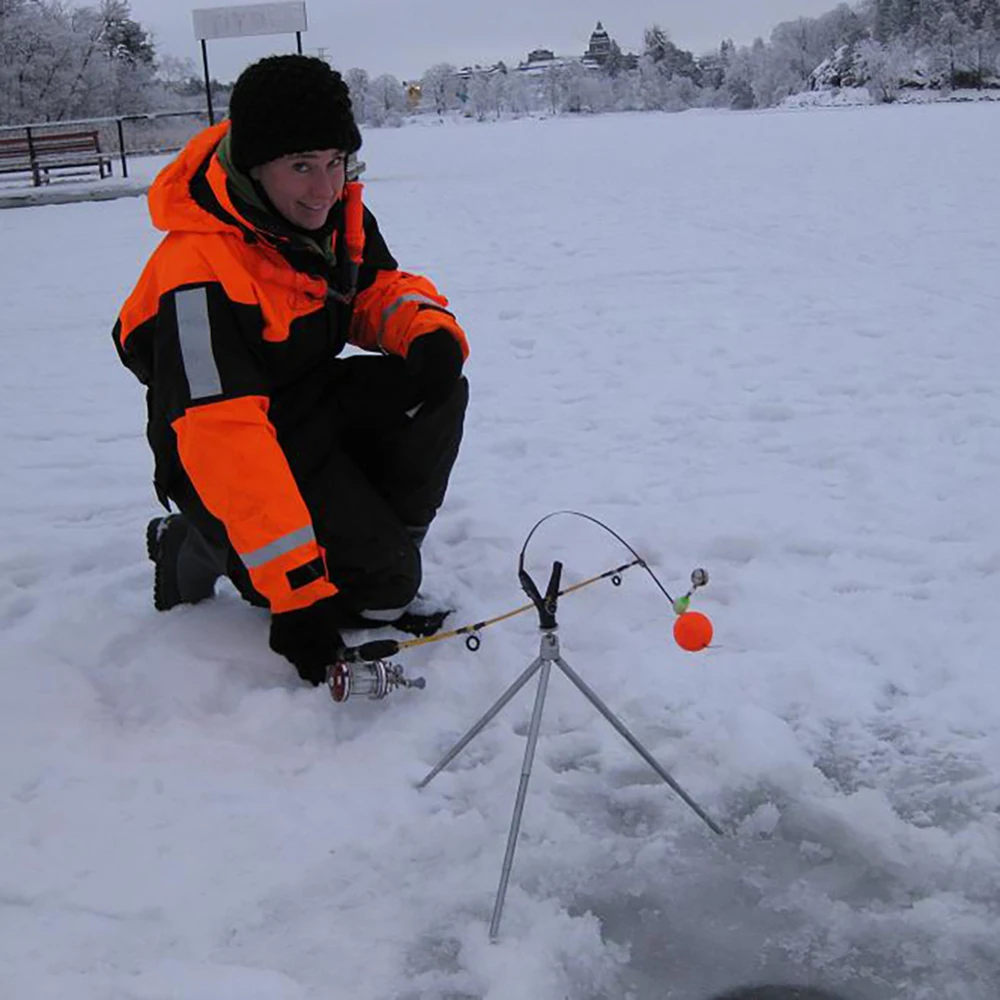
{"type": "Point", "coordinates": [289, 104]}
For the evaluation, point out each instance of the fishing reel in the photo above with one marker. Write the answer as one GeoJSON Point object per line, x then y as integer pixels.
{"type": "Point", "coordinates": [372, 679]}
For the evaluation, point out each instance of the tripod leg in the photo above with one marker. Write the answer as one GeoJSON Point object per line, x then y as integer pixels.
{"type": "Point", "coordinates": [522, 791]}
{"type": "Point", "coordinates": [635, 744]}
{"type": "Point", "coordinates": [482, 723]}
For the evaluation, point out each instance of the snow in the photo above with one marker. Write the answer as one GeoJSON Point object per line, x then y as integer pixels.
{"type": "Point", "coordinates": [848, 96]}
{"type": "Point", "coordinates": [828, 97]}
{"type": "Point", "coordinates": [762, 343]}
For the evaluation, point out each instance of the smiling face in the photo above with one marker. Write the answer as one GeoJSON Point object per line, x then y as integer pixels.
{"type": "Point", "coordinates": [303, 187]}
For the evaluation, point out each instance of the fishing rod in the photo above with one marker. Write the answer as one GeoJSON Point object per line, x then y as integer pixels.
{"type": "Point", "coordinates": [365, 669]}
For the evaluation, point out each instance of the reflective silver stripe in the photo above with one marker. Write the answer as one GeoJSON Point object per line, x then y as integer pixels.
{"type": "Point", "coordinates": [254, 560]}
{"type": "Point", "coordinates": [383, 614]}
{"type": "Point", "coordinates": [195, 335]}
{"type": "Point", "coordinates": [402, 300]}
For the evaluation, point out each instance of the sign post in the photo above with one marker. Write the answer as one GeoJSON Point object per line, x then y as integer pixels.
{"type": "Point", "coordinates": [249, 19]}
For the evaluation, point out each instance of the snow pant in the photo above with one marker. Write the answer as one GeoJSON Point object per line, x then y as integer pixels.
{"type": "Point", "coordinates": [372, 477]}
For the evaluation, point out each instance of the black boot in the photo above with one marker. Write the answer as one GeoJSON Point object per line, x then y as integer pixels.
{"type": "Point", "coordinates": [185, 568]}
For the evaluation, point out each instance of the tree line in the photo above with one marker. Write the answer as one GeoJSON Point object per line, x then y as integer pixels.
{"type": "Point", "coordinates": [882, 45]}
{"type": "Point", "coordinates": [59, 62]}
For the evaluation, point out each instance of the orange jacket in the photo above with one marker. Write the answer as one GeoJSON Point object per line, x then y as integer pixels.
{"type": "Point", "coordinates": [232, 314]}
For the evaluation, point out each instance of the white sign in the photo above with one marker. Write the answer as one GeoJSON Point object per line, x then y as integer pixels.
{"type": "Point", "coordinates": [250, 19]}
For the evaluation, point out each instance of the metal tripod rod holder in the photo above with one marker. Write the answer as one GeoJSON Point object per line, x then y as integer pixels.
{"type": "Point", "coordinates": [548, 655]}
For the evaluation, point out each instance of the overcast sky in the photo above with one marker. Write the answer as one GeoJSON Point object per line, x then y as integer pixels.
{"type": "Point", "coordinates": [406, 37]}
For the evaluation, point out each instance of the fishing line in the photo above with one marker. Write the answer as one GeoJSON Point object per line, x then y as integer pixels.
{"type": "Point", "coordinates": [364, 669]}
{"type": "Point", "coordinates": [639, 561]}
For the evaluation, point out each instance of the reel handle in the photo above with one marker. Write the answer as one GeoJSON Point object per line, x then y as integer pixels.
{"type": "Point", "coordinates": [377, 649]}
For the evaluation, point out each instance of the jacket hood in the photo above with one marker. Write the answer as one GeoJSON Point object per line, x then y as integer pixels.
{"type": "Point", "coordinates": [172, 206]}
{"type": "Point", "coordinates": [195, 194]}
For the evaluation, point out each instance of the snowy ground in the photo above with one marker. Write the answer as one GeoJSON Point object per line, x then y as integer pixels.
{"type": "Point", "coordinates": [768, 344]}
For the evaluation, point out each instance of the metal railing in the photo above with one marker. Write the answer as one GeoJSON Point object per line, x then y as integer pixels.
{"type": "Point", "coordinates": [124, 136]}
{"type": "Point", "coordinates": [118, 137]}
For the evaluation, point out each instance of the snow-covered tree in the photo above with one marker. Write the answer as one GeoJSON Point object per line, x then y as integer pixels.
{"type": "Point", "coordinates": [737, 85]}
{"type": "Point", "coordinates": [439, 88]}
{"type": "Point", "coordinates": [386, 103]}
{"type": "Point", "coordinates": [123, 38]}
{"type": "Point", "coordinates": [952, 54]}
{"type": "Point", "coordinates": [59, 62]}
{"type": "Point", "coordinates": [174, 72]}
{"type": "Point", "coordinates": [669, 59]}
{"type": "Point", "coordinates": [519, 94]}
{"type": "Point", "coordinates": [650, 85]}
{"type": "Point", "coordinates": [882, 67]}
{"type": "Point", "coordinates": [358, 84]}
{"type": "Point", "coordinates": [484, 92]}
{"type": "Point", "coordinates": [985, 48]}
{"type": "Point", "coordinates": [615, 62]}
{"type": "Point", "coordinates": [844, 25]}
{"type": "Point", "coordinates": [549, 90]}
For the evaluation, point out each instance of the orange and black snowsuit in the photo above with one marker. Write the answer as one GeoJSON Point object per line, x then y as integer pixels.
{"type": "Point", "coordinates": [232, 328]}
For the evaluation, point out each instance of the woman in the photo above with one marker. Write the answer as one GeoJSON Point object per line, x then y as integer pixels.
{"type": "Point", "coordinates": [308, 479]}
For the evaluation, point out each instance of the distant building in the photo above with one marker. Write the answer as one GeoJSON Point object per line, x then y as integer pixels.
{"type": "Point", "coordinates": [599, 50]}
{"type": "Point", "coordinates": [539, 61]}
{"type": "Point", "coordinates": [540, 55]}
{"type": "Point", "coordinates": [466, 72]}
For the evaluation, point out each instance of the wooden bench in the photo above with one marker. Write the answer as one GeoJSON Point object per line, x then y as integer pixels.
{"type": "Point", "coordinates": [39, 154]}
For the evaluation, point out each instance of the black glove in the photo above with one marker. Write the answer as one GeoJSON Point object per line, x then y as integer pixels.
{"type": "Point", "coordinates": [308, 638]}
{"type": "Point", "coordinates": [375, 392]}
{"type": "Point", "coordinates": [433, 366]}
{"type": "Point", "coordinates": [372, 391]}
